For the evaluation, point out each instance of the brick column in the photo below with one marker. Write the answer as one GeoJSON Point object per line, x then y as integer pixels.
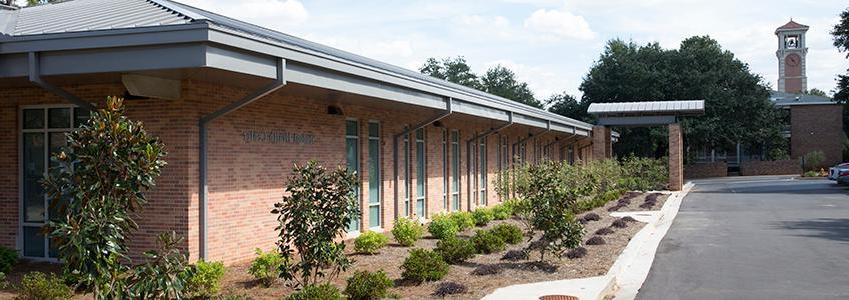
{"type": "Point", "coordinates": [676, 157]}
{"type": "Point", "coordinates": [601, 143]}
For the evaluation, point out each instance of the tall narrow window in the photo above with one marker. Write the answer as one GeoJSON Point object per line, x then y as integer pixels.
{"type": "Point", "coordinates": [420, 173]}
{"type": "Point", "coordinates": [455, 170]}
{"type": "Point", "coordinates": [483, 176]}
{"type": "Point", "coordinates": [406, 160]}
{"type": "Point", "coordinates": [374, 178]}
{"type": "Point", "coordinates": [43, 131]}
{"type": "Point", "coordinates": [445, 169]}
{"type": "Point", "coordinates": [352, 153]}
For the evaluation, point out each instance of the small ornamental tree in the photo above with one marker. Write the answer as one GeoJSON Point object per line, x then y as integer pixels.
{"type": "Point", "coordinates": [316, 210]}
{"type": "Point", "coordinates": [552, 195]}
{"type": "Point", "coordinates": [101, 177]}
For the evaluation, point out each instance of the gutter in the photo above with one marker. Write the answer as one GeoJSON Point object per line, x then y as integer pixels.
{"type": "Point", "coordinates": [516, 144]}
{"type": "Point", "coordinates": [203, 192]}
{"type": "Point", "coordinates": [448, 111]}
{"type": "Point", "coordinates": [35, 77]}
{"type": "Point", "coordinates": [469, 168]}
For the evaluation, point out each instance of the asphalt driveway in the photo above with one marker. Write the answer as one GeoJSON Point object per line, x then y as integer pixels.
{"type": "Point", "coordinates": [765, 237]}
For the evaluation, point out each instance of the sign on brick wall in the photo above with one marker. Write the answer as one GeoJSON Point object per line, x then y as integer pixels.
{"type": "Point", "coordinates": [277, 137]}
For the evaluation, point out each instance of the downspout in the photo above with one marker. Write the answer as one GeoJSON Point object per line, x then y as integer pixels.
{"type": "Point", "coordinates": [448, 111]}
{"type": "Point", "coordinates": [469, 150]}
{"type": "Point", "coordinates": [35, 77]}
{"type": "Point", "coordinates": [203, 191]}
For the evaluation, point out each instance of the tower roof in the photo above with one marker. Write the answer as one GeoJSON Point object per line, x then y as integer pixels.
{"type": "Point", "coordinates": [792, 25]}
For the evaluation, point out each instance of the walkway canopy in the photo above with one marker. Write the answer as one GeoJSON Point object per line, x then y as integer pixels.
{"type": "Point", "coordinates": [645, 113]}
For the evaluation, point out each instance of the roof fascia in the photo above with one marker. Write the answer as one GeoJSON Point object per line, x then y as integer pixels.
{"type": "Point", "coordinates": [165, 34]}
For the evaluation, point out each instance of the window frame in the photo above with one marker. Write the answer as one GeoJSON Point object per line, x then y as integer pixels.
{"type": "Point", "coordinates": [379, 165]}
{"type": "Point", "coordinates": [358, 189]}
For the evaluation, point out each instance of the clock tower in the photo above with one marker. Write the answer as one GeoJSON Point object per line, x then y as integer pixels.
{"type": "Point", "coordinates": [791, 57]}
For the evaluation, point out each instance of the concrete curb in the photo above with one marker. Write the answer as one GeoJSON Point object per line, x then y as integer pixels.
{"type": "Point", "coordinates": [627, 274]}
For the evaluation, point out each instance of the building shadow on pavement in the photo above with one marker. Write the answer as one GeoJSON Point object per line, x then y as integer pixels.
{"type": "Point", "coordinates": [828, 228]}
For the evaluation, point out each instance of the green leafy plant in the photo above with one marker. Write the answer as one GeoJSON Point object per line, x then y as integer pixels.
{"type": "Point", "coordinates": [3, 282]}
{"type": "Point", "coordinates": [407, 231]}
{"type": "Point", "coordinates": [442, 227]}
{"type": "Point", "coordinates": [423, 265]}
{"type": "Point", "coordinates": [323, 291]}
{"type": "Point", "coordinates": [455, 250]}
{"type": "Point", "coordinates": [99, 184]}
{"type": "Point", "coordinates": [510, 233]}
{"type": "Point", "coordinates": [813, 160]}
{"type": "Point", "coordinates": [811, 174]}
{"type": "Point", "coordinates": [370, 242]}
{"type": "Point", "coordinates": [8, 258]}
{"type": "Point", "coordinates": [365, 285]}
{"type": "Point", "coordinates": [314, 214]}
{"type": "Point", "coordinates": [486, 242]}
{"type": "Point", "coordinates": [502, 211]}
{"type": "Point", "coordinates": [463, 219]}
{"type": "Point", "coordinates": [482, 216]}
{"type": "Point", "coordinates": [165, 274]}
{"type": "Point", "coordinates": [644, 174]}
{"type": "Point", "coordinates": [206, 279]}
{"type": "Point", "coordinates": [39, 286]}
{"type": "Point", "coordinates": [552, 194]}
{"type": "Point", "coordinates": [266, 266]}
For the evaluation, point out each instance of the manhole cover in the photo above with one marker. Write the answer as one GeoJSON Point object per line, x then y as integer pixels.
{"type": "Point", "coordinates": [557, 297]}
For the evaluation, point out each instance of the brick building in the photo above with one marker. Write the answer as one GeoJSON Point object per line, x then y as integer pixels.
{"type": "Point", "coordinates": [236, 105]}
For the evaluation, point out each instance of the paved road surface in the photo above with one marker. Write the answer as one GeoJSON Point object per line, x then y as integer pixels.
{"type": "Point", "coordinates": [766, 237]}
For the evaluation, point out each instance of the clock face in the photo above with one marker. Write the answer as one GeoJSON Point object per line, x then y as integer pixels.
{"type": "Point", "coordinates": [792, 60]}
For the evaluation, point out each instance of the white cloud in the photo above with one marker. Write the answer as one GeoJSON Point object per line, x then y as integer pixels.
{"type": "Point", "coordinates": [560, 23]}
{"type": "Point", "coordinates": [276, 14]}
{"type": "Point", "coordinates": [542, 80]}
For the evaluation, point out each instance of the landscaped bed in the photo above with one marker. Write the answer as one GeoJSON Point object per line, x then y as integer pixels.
{"type": "Point", "coordinates": [596, 262]}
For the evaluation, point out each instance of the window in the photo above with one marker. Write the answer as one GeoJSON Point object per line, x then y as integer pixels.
{"type": "Point", "coordinates": [406, 175]}
{"type": "Point", "coordinates": [445, 169]}
{"type": "Point", "coordinates": [420, 173]}
{"type": "Point", "coordinates": [483, 176]}
{"type": "Point", "coordinates": [352, 150]}
{"type": "Point", "coordinates": [374, 178]}
{"type": "Point", "coordinates": [455, 170]}
{"type": "Point", "coordinates": [43, 131]}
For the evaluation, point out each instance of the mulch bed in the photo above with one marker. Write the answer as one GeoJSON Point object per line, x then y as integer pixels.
{"type": "Point", "coordinates": [596, 262]}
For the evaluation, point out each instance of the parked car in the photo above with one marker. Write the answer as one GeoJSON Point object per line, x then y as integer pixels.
{"type": "Point", "coordinates": [839, 173]}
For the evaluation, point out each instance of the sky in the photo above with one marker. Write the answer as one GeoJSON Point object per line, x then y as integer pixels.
{"type": "Point", "coordinates": [551, 44]}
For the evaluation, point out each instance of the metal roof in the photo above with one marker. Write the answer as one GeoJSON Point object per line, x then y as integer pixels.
{"type": "Point", "coordinates": [678, 108]}
{"type": "Point", "coordinates": [791, 99]}
{"type": "Point", "coordinates": [90, 17]}
{"type": "Point", "coordinates": [792, 25]}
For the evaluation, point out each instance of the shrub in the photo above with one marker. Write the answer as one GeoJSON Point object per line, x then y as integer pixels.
{"type": "Point", "coordinates": [266, 266]}
{"type": "Point", "coordinates": [316, 210]}
{"type": "Point", "coordinates": [514, 255]}
{"type": "Point", "coordinates": [449, 288]}
{"type": "Point", "coordinates": [3, 283]}
{"type": "Point", "coordinates": [812, 160]}
{"type": "Point", "coordinates": [423, 265]}
{"type": "Point", "coordinates": [482, 216]}
{"type": "Point", "coordinates": [576, 253]}
{"type": "Point", "coordinates": [628, 219]}
{"type": "Point", "coordinates": [604, 231]}
{"type": "Point", "coordinates": [8, 258]}
{"type": "Point", "coordinates": [206, 280]}
{"type": "Point", "coordinates": [442, 226]}
{"type": "Point", "coordinates": [510, 233]}
{"type": "Point", "coordinates": [647, 204]}
{"type": "Point", "coordinates": [324, 291]}
{"type": "Point", "coordinates": [811, 174]}
{"type": "Point", "coordinates": [644, 173]}
{"type": "Point", "coordinates": [105, 169]}
{"type": "Point", "coordinates": [501, 211]}
{"type": "Point", "coordinates": [512, 205]}
{"type": "Point", "coordinates": [39, 286]}
{"type": "Point", "coordinates": [463, 219]}
{"type": "Point", "coordinates": [552, 193]}
{"type": "Point", "coordinates": [486, 242]}
{"type": "Point", "coordinates": [165, 274]}
{"type": "Point", "coordinates": [596, 240]}
{"type": "Point", "coordinates": [369, 242]}
{"type": "Point", "coordinates": [486, 270]}
{"type": "Point", "coordinates": [619, 223]}
{"type": "Point", "coordinates": [591, 217]}
{"type": "Point", "coordinates": [615, 207]}
{"type": "Point", "coordinates": [365, 285]}
{"type": "Point", "coordinates": [455, 250]}
{"type": "Point", "coordinates": [407, 231]}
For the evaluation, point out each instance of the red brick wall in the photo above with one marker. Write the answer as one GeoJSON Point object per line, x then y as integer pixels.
{"type": "Point", "coordinates": [776, 167]}
{"type": "Point", "coordinates": [817, 127]}
{"type": "Point", "coordinates": [706, 170]}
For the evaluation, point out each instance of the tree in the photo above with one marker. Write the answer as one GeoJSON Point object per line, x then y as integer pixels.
{"type": "Point", "coordinates": [840, 33]}
{"type": "Point", "coordinates": [737, 108]}
{"type": "Point", "coordinates": [566, 105]}
{"type": "Point", "coordinates": [816, 92]}
{"type": "Point", "coordinates": [498, 80]}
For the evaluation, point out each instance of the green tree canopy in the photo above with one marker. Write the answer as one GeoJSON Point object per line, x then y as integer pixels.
{"type": "Point", "coordinates": [737, 106]}
{"type": "Point", "coordinates": [840, 33]}
{"type": "Point", "coordinates": [566, 105]}
{"type": "Point", "coordinates": [498, 80]}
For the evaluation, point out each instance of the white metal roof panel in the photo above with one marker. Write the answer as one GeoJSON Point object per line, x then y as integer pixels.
{"type": "Point", "coordinates": [677, 107]}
